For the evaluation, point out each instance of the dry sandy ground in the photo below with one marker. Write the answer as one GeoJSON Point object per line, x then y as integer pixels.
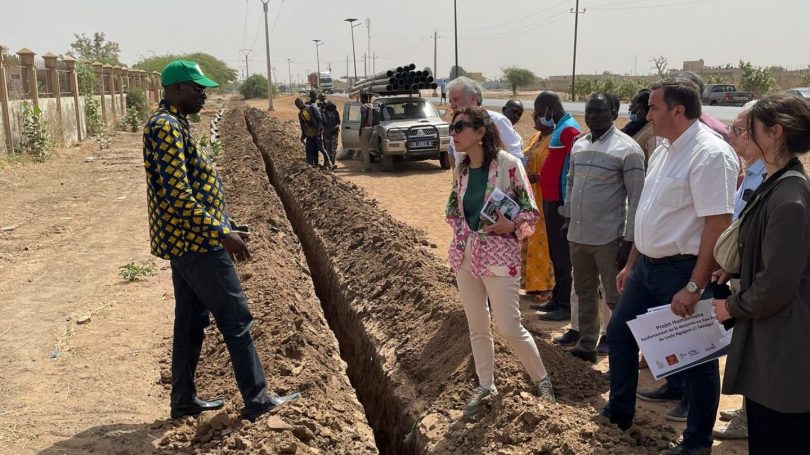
{"type": "Point", "coordinates": [71, 387]}
{"type": "Point", "coordinates": [416, 194]}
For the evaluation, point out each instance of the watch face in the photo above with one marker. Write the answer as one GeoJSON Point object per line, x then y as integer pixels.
{"type": "Point", "coordinates": [692, 287]}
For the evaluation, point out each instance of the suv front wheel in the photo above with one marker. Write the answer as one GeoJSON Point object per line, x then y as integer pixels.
{"type": "Point", "coordinates": [444, 160]}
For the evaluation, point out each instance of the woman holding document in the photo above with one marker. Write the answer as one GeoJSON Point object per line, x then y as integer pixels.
{"type": "Point", "coordinates": [486, 255]}
{"type": "Point", "coordinates": [768, 356]}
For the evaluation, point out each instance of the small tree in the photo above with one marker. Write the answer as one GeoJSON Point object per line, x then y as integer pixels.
{"type": "Point", "coordinates": [96, 49]}
{"type": "Point", "coordinates": [461, 72]}
{"type": "Point", "coordinates": [755, 79]}
{"type": "Point", "coordinates": [254, 87]}
{"type": "Point", "coordinates": [715, 80]}
{"type": "Point", "coordinates": [661, 65]}
{"type": "Point", "coordinates": [518, 77]}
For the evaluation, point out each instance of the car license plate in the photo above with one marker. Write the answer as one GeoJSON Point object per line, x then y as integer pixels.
{"type": "Point", "coordinates": [740, 98]}
{"type": "Point", "coordinates": [428, 143]}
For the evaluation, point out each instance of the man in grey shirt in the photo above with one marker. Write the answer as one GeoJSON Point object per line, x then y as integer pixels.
{"type": "Point", "coordinates": [605, 179]}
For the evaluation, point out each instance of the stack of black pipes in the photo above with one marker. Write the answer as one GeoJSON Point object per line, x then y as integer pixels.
{"type": "Point", "coordinates": [402, 79]}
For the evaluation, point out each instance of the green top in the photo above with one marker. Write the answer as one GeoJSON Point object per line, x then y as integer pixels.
{"type": "Point", "coordinates": [474, 195]}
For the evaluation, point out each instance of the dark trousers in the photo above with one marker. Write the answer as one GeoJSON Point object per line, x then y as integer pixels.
{"type": "Point", "coordinates": [331, 143]}
{"type": "Point", "coordinates": [772, 432]}
{"type": "Point", "coordinates": [312, 146]}
{"type": "Point", "coordinates": [652, 285]}
{"type": "Point", "coordinates": [559, 251]}
{"type": "Point", "coordinates": [206, 283]}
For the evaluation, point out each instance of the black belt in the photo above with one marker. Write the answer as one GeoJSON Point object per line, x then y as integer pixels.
{"type": "Point", "coordinates": [669, 259]}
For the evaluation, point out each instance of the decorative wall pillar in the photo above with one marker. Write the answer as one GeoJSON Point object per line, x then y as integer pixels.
{"type": "Point", "coordinates": [73, 85]}
{"type": "Point", "coordinates": [29, 74]}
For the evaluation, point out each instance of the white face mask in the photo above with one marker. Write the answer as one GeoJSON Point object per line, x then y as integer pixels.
{"type": "Point", "coordinates": [549, 123]}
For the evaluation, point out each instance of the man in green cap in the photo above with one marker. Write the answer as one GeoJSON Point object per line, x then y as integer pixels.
{"type": "Point", "coordinates": [189, 226]}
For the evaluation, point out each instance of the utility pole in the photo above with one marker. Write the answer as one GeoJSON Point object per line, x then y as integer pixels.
{"type": "Point", "coordinates": [267, 47]}
{"type": "Point", "coordinates": [368, 47]}
{"type": "Point", "coordinates": [455, 26]}
{"type": "Point", "coordinates": [365, 65]}
{"type": "Point", "coordinates": [246, 52]}
{"type": "Point", "coordinates": [576, 13]}
{"type": "Point", "coordinates": [354, 55]}
{"type": "Point", "coordinates": [347, 71]}
{"type": "Point", "coordinates": [435, 40]}
{"type": "Point", "coordinates": [289, 76]}
{"type": "Point", "coordinates": [318, 61]}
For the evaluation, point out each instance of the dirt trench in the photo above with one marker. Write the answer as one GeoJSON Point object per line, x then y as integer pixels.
{"type": "Point", "coordinates": [297, 348]}
{"type": "Point", "coordinates": [394, 309]}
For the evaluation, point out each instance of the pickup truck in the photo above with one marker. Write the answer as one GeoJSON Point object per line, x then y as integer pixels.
{"type": "Point", "coordinates": [408, 128]}
{"type": "Point", "coordinates": [725, 95]}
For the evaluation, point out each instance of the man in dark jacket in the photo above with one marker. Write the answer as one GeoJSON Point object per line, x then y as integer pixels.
{"type": "Point", "coordinates": [331, 130]}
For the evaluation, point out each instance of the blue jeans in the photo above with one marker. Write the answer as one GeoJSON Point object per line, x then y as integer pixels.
{"type": "Point", "coordinates": [206, 283]}
{"type": "Point", "coordinates": [312, 145]}
{"type": "Point", "coordinates": [652, 285]}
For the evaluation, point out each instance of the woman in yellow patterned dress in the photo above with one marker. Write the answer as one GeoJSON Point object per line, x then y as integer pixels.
{"type": "Point", "coordinates": [537, 273]}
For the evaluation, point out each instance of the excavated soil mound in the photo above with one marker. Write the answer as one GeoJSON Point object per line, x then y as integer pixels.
{"type": "Point", "coordinates": [396, 313]}
{"type": "Point", "coordinates": [296, 347]}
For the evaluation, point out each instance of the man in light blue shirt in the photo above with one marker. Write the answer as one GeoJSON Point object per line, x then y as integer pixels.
{"type": "Point", "coordinates": [754, 176]}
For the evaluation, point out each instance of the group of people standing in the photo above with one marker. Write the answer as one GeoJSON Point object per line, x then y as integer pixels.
{"type": "Point", "coordinates": [320, 129]}
{"type": "Point", "coordinates": [629, 218]}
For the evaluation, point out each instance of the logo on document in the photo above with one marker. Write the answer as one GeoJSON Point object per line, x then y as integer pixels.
{"type": "Point", "coordinates": [672, 359]}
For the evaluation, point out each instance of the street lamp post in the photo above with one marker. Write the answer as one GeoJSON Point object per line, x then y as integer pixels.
{"type": "Point", "coordinates": [354, 55]}
{"type": "Point", "coordinates": [455, 27]}
{"type": "Point", "coordinates": [267, 48]}
{"type": "Point", "coordinates": [318, 44]}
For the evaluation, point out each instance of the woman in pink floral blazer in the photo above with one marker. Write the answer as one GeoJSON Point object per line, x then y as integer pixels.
{"type": "Point", "coordinates": [486, 256]}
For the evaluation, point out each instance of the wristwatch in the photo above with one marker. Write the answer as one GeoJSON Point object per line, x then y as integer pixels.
{"type": "Point", "coordinates": [692, 287]}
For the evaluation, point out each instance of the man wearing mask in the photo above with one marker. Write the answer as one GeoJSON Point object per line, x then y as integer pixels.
{"type": "Point", "coordinates": [465, 92]}
{"type": "Point", "coordinates": [553, 180]}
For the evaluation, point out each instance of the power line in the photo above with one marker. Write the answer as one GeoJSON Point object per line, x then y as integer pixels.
{"type": "Point", "coordinates": [244, 28]}
{"type": "Point", "coordinates": [666, 5]}
{"type": "Point", "coordinates": [549, 20]}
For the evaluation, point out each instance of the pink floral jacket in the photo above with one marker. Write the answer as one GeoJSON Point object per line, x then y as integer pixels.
{"type": "Point", "coordinates": [492, 254]}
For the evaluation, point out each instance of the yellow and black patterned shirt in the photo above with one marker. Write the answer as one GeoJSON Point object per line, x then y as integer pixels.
{"type": "Point", "coordinates": [185, 199]}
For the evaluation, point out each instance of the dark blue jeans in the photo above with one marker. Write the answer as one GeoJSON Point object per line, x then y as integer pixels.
{"type": "Point", "coordinates": [312, 145]}
{"type": "Point", "coordinates": [206, 283]}
{"type": "Point", "coordinates": [653, 285]}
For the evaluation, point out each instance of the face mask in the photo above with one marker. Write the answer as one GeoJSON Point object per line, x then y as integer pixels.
{"type": "Point", "coordinates": [548, 123]}
{"type": "Point", "coordinates": [634, 117]}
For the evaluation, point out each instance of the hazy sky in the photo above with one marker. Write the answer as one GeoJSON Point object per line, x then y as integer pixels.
{"type": "Point", "coordinates": [616, 35]}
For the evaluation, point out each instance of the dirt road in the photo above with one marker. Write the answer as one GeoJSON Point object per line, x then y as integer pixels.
{"type": "Point", "coordinates": [80, 348]}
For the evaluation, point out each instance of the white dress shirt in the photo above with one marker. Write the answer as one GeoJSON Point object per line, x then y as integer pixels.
{"type": "Point", "coordinates": [693, 177]}
{"type": "Point", "coordinates": [512, 142]}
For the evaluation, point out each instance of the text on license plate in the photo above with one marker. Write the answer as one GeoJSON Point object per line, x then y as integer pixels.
{"type": "Point", "coordinates": [428, 143]}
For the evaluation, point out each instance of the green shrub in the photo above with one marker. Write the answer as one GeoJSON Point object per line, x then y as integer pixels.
{"type": "Point", "coordinates": [137, 98]}
{"type": "Point", "coordinates": [34, 132]}
{"type": "Point", "coordinates": [254, 87]}
{"type": "Point", "coordinates": [132, 271]}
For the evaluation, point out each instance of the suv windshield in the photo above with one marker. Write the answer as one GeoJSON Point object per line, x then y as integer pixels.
{"type": "Point", "coordinates": [407, 110]}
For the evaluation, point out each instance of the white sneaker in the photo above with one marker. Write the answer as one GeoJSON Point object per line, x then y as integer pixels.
{"type": "Point", "coordinates": [545, 390]}
{"type": "Point", "coordinates": [737, 428]}
{"type": "Point", "coordinates": [474, 405]}
{"type": "Point", "coordinates": [727, 416]}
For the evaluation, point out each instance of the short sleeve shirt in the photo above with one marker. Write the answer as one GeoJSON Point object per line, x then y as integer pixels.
{"type": "Point", "coordinates": [689, 179]}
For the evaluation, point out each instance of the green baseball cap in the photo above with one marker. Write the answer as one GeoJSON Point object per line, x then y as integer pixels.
{"type": "Point", "coordinates": [184, 71]}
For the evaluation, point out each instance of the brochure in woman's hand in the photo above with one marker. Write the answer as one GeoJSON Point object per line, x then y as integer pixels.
{"type": "Point", "coordinates": [499, 200]}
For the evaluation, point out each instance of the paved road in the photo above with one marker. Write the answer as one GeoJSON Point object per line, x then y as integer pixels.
{"type": "Point", "coordinates": [725, 114]}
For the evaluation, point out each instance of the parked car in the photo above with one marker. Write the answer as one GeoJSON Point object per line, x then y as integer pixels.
{"type": "Point", "coordinates": [725, 95]}
{"type": "Point", "coordinates": [804, 92]}
{"type": "Point", "coordinates": [409, 128]}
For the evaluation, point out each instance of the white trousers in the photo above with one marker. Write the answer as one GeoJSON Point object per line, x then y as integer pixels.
{"type": "Point", "coordinates": [604, 311]}
{"type": "Point", "coordinates": [504, 298]}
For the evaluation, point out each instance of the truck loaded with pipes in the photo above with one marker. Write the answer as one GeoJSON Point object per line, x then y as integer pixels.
{"type": "Point", "coordinates": [405, 125]}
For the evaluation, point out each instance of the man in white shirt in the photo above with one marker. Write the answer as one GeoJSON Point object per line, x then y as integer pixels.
{"type": "Point", "coordinates": [465, 92]}
{"type": "Point", "coordinates": [686, 203]}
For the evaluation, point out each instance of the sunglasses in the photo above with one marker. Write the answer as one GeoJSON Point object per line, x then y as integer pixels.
{"type": "Point", "coordinates": [460, 125]}
{"type": "Point", "coordinates": [736, 130]}
{"type": "Point", "coordinates": [200, 90]}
